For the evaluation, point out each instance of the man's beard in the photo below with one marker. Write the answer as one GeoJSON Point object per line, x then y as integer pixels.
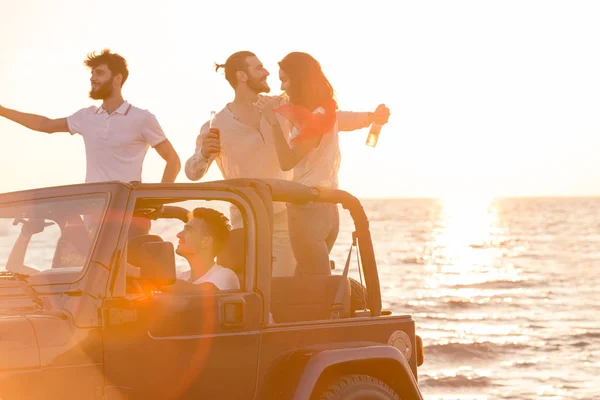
{"type": "Point", "coordinates": [258, 86]}
{"type": "Point", "coordinates": [103, 92]}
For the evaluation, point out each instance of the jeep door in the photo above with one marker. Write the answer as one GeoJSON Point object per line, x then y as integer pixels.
{"type": "Point", "coordinates": [177, 346]}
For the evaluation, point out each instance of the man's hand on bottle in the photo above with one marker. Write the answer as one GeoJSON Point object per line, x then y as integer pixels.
{"type": "Point", "coordinates": [211, 144]}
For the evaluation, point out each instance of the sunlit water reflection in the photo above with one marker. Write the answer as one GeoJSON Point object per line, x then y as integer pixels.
{"type": "Point", "coordinates": [504, 292]}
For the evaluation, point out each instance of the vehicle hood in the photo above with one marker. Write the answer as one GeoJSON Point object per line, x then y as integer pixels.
{"type": "Point", "coordinates": [18, 344]}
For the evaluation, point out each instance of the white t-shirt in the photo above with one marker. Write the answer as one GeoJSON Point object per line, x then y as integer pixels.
{"type": "Point", "coordinates": [116, 144]}
{"type": "Point", "coordinates": [320, 166]}
{"type": "Point", "coordinates": [223, 278]}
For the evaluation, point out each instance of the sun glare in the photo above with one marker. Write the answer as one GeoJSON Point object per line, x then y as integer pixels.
{"type": "Point", "coordinates": [467, 246]}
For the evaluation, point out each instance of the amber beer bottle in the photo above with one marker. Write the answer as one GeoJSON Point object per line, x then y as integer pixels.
{"type": "Point", "coordinates": [373, 134]}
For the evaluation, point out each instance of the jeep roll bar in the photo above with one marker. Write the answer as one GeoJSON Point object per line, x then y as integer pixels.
{"type": "Point", "coordinates": [292, 192]}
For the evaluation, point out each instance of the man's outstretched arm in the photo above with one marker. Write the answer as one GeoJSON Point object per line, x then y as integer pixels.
{"type": "Point", "coordinates": [35, 122]}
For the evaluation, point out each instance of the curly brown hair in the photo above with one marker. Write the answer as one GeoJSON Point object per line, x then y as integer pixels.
{"type": "Point", "coordinates": [115, 63]}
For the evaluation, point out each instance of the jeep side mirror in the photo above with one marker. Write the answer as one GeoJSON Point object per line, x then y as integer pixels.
{"type": "Point", "coordinates": [157, 264]}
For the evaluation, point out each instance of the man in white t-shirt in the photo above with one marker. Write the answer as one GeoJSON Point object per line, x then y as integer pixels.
{"type": "Point", "coordinates": [201, 239]}
{"type": "Point", "coordinates": [116, 135]}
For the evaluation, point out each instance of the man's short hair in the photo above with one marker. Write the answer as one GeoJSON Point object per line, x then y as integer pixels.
{"type": "Point", "coordinates": [218, 226]}
{"type": "Point", "coordinates": [115, 63]}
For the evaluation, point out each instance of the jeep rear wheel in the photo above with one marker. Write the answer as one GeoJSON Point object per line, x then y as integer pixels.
{"type": "Point", "coordinates": [357, 387]}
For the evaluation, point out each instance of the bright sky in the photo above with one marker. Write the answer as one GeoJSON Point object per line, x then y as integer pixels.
{"type": "Point", "coordinates": [491, 97]}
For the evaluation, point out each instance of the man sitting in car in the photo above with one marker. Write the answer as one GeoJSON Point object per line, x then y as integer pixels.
{"type": "Point", "coordinates": [200, 241]}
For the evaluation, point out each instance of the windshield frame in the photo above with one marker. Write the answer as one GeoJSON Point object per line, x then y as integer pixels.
{"type": "Point", "coordinates": [68, 274]}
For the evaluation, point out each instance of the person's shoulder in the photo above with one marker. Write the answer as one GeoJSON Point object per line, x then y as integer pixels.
{"type": "Point", "coordinates": [147, 119]}
{"type": "Point", "coordinates": [221, 118]}
{"type": "Point", "coordinates": [228, 276]}
{"type": "Point", "coordinates": [222, 115]}
{"type": "Point", "coordinates": [223, 111]}
{"type": "Point", "coordinates": [223, 270]}
{"type": "Point", "coordinates": [87, 110]}
{"type": "Point", "coordinates": [139, 112]}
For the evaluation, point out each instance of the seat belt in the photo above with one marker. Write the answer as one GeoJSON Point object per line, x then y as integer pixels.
{"type": "Point", "coordinates": [337, 306]}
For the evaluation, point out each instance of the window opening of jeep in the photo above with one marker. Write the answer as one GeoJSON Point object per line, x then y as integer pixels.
{"type": "Point", "coordinates": [49, 235]}
{"type": "Point", "coordinates": [209, 253]}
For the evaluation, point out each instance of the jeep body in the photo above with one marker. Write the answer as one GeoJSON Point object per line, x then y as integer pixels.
{"type": "Point", "coordinates": [89, 331]}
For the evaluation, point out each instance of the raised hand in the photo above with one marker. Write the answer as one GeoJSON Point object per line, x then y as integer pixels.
{"type": "Point", "coordinates": [266, 105]}
{"type": "Point", "coordinates": [32, 226]}
{"type": "Point", "coordinates": [381, 115]}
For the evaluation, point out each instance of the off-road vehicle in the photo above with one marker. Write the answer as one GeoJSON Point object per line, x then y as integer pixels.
{"type": "Point", "coordinates": [75, 325]}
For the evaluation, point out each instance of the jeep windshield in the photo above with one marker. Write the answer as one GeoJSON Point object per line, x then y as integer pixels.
{"type": "Point", "coordinates": [52, 235]}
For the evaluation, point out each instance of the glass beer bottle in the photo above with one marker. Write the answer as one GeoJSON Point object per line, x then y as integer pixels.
{"type": "Point", "coordinates": [373, 135]}
{"type": "Point", "coordinates": [211, 125]}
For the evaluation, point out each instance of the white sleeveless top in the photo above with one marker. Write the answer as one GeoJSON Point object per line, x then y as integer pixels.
{"type": "Point", "coordinates": [321, 165]}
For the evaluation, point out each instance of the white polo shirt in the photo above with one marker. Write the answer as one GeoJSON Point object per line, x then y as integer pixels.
{"type": "Point", "coordinates": [116, 144]}
{"type": "Point", "coordinates": [223, 278]}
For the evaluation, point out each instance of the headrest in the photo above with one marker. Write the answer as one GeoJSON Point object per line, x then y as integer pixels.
{"type": "Point", "coordinates": [157, 263]}
{"type": "Point", "coordinates": [139, 226]}
{"type": "Point", "coordinates": [72, 247]}
{"type": "Point", "coordinates": [134, 247]}
{"type": "Point", "coordinates": [233, 255]}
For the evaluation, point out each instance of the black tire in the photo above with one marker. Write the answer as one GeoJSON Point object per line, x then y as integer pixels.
{"type": "Point", "coordinates": [358, 296]}
{"type": "Point", "coordinates": [356, 387]}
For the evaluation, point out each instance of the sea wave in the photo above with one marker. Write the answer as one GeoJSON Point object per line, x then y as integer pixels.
{"type": "Point", "coordinates": [411, 260]}
{"type": "Point", "coordinates": [475, 350]}
{"type": "Point", "coordinates": [499, 284]}
{"type": "Point", "coordinates": [462, 317]}
{"type": "Point", "coordinates": [524, 363]}
{"type": "Point", "coordinates": [587, 335]}
{"type": "Point", "coordinates": [458, 381]}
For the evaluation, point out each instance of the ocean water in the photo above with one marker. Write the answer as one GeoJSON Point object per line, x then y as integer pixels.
{"type": "Point", "coordinates": [505, 293]}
